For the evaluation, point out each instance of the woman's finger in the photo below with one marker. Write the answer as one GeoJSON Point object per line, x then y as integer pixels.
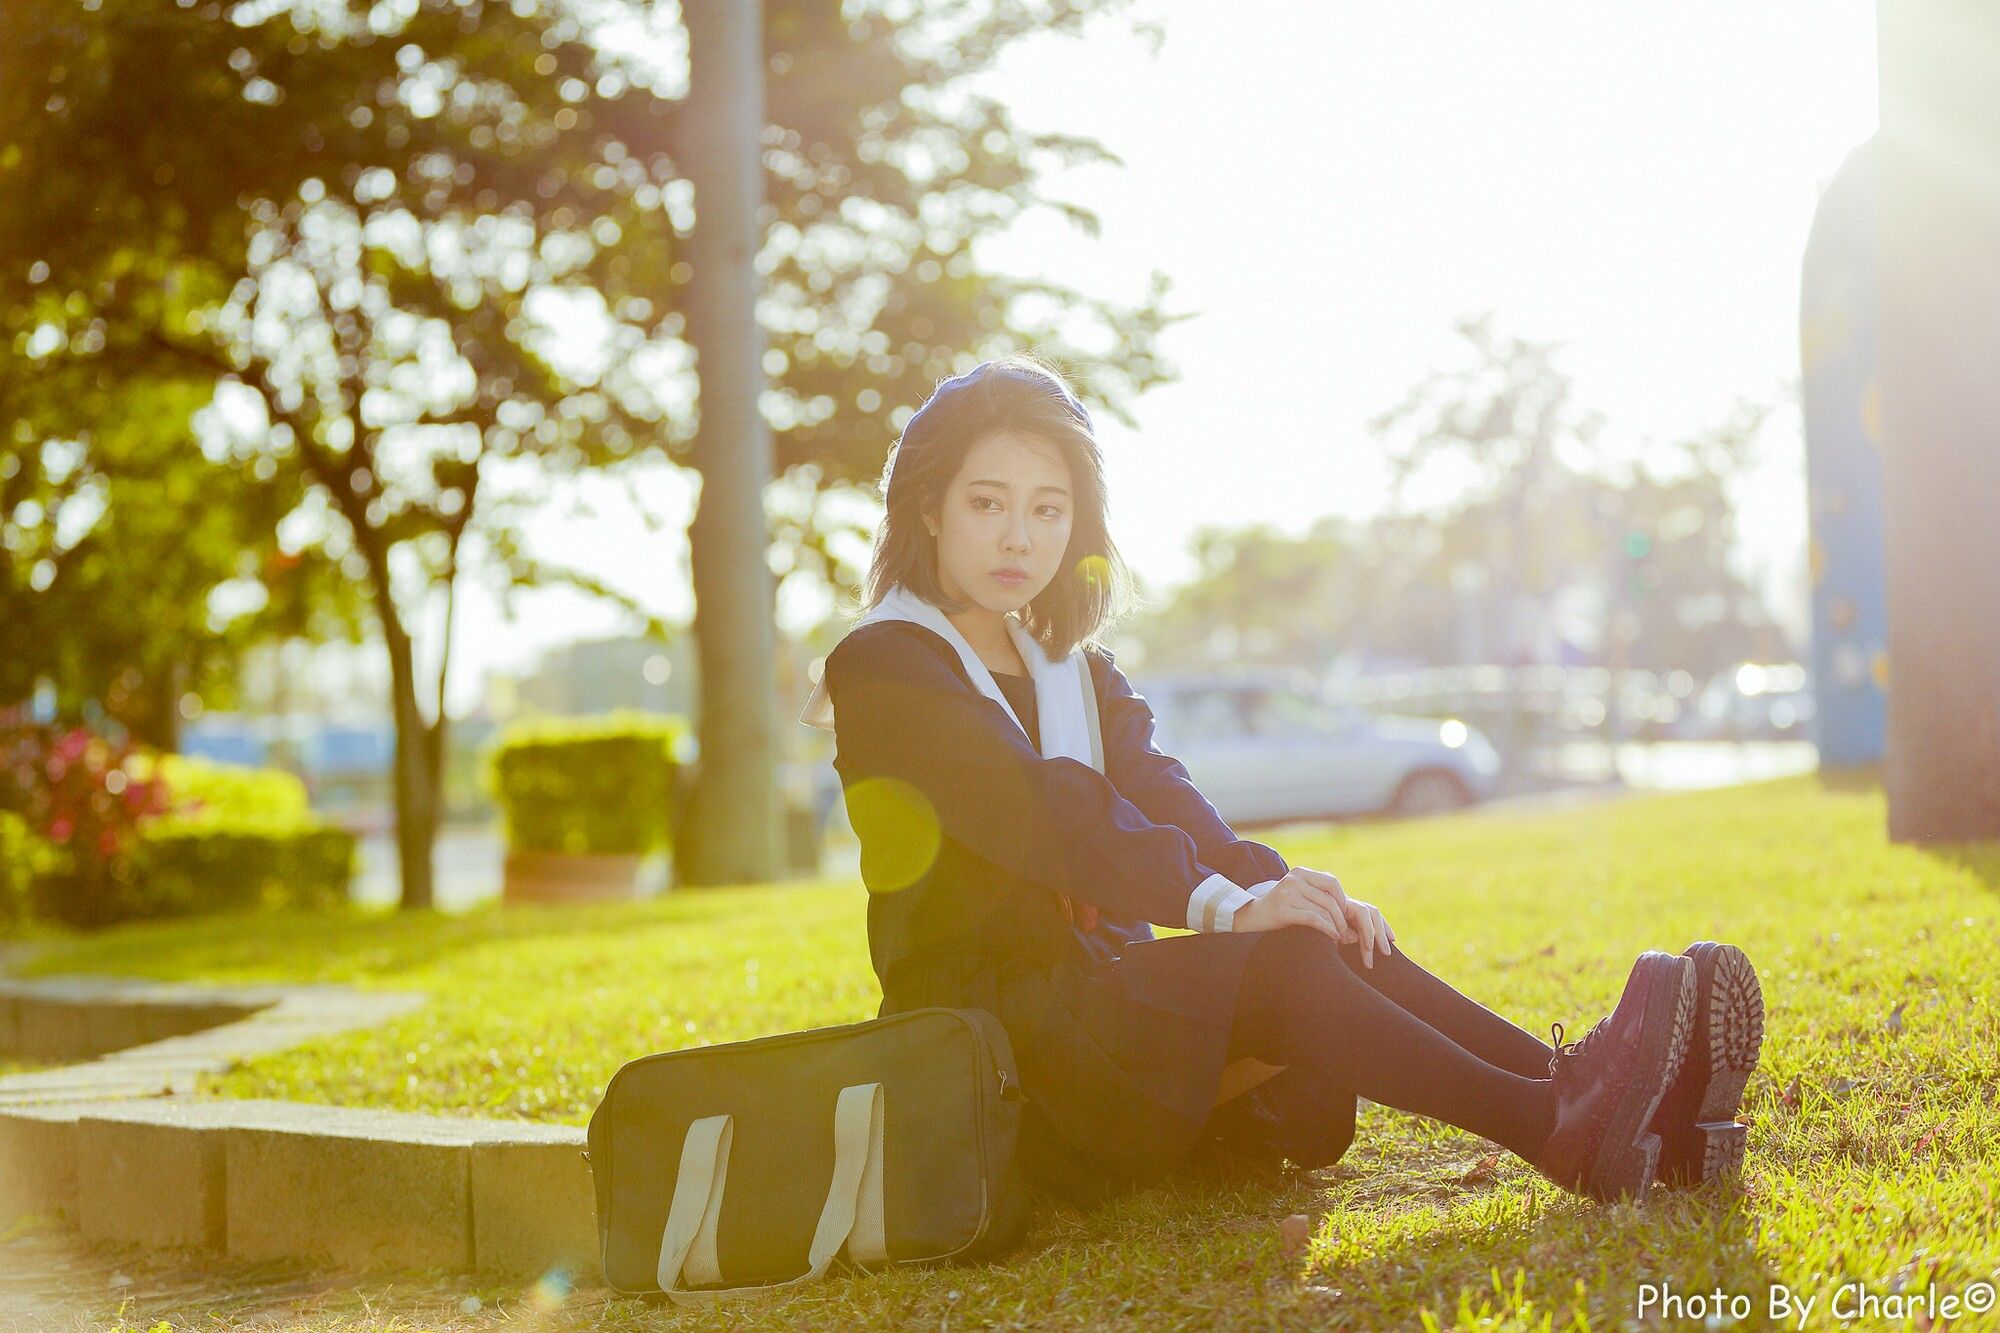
{"type": "Point", "coordinates": [1306, 914]}
{"type": "Point", "coordinates": [1321, 879]}
{"type": "Point", "coordinates": [1335, 907]}
{"type": "Point", "coordinates": [1377, 927]}
{"type": "Point", "coordinates": [1387, 936]}
{"type": "Point", "coordinates": [1364, 927]}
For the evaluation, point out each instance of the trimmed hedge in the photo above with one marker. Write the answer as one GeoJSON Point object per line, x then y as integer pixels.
{"type": "Point", "coordinates": [204, 863]}
{"type": "Point", "coordinates": [602, 783]}
{"type": "Point", "coordinates": [231, 792]}
{"type": "Point", "coordinates": [135, 834]}
{"type": "Point", "coordinates": [238, 838]}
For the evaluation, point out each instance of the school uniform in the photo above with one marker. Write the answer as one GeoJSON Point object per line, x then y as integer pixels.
{"type": "Point", "coordinates": [983, 859]}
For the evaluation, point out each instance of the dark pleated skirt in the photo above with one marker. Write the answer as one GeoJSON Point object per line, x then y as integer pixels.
{"type": "Point", "coordinates": [1120, 1058]}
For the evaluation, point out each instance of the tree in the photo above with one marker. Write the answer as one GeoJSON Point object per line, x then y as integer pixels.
{"type": "Point", "coordinates": [1510, 419]}
{"type": "Point", "coordinates": [96, 487]}
{"type": "Point", "coordinates": [357, 223]}
{"type": "Point", "coordinates": [1940, 335]}
{"type": "Point", "coordinates": [1538, 516]}
{"type": "Point", "coordinates": [881, 175]}
{"type": "Point", "coordinates": [368, 346]}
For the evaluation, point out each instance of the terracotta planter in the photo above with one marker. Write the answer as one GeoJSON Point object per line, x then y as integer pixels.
{"type": "Point", "coordinates": [564, 877]}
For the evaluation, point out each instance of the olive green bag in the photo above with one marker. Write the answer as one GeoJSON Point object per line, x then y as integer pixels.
{"type": "Point", "coordinates": [721, 1170]}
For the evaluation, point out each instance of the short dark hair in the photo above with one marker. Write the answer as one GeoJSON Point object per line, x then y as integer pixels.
{"type": "Point", "coordinates": [1093, 586]}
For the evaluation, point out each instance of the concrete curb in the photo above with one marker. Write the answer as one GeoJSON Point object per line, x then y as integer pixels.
{"type": "Point", "coordinates": [115, 1145]}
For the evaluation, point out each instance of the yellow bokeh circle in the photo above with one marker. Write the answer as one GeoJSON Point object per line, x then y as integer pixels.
{"type": "Point", "coordinates": [1094, 571]}
{"type": "Point", "coordinates": [899, 832]}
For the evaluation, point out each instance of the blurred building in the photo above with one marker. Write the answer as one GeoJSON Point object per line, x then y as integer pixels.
{"type": "Point", "coordinates": [599, 676]}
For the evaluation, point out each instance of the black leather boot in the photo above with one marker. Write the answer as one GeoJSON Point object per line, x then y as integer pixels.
{"type": "Point", "coordinates": [1608, 1083]}
{"type": "Point", "coordinates": [1696, 1120]}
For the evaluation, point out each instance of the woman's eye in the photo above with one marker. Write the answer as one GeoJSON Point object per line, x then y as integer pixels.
{"type": "Point", "coordinates": [1050, 511]}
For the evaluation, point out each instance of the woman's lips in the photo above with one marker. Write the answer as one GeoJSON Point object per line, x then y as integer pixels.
{"type": "Point", "coordinates": [1010, 579]}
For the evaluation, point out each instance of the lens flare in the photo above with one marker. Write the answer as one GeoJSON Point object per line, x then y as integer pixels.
{"type": "Point", "coordinates": [551, 1290]}
{"type": "Point", "coordinates": [899, 831]}
{"type": "Point", "coordinates": [1095, 571]}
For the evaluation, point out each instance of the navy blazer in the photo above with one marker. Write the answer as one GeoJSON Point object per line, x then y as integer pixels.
{"type": "Point", "coordinates": [968, 833]}
{"type": "Point", "coordinates": [967, 836]}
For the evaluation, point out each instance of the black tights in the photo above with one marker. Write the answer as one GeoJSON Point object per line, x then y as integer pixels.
{"type": "Point", "coordinates": [1394, 1034]}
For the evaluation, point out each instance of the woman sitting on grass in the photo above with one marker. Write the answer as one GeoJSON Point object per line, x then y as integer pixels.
{"type": "Point", "coordinates": [1014, 865]}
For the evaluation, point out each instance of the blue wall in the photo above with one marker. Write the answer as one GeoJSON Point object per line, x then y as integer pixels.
{"type": "Point", "coordinates": [1838, 319]}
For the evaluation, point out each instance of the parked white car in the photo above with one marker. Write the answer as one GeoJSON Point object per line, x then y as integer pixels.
{"type": "Point", "coordinates": [1265, 746]}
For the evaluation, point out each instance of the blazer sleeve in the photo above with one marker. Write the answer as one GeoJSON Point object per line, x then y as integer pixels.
{"type": "Point", "coordinates": [902, 711]}
{"type": "Point", "coordinates": [1160, 786]}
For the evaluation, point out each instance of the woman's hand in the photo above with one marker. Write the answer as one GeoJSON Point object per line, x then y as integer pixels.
{"type": "Point", "coordinates": [1307, 897]}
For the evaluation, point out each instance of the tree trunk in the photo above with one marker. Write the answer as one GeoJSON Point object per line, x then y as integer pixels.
{"type": "Point", "coordinates": [416, 772]}
{"type": "Point", "coordinates": [732, 832]}
{"type": "Point", "coordinates": [1940, 405]}
{"type": "Point", "coordinates": [152, 708]}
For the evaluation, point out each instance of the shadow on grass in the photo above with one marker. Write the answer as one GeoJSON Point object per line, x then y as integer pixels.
{"type": "Point", "coordinates": [363, 944]}
{"type": "Point", "coordinates": [1981, 860]}
{"type": "Point", "coordinates": [1482, 1252]}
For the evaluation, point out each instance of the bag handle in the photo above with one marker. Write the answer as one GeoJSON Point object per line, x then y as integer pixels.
{"type": "Point", "coordinates": [852, 1214]}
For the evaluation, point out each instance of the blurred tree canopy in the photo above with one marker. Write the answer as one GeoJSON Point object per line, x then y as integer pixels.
{"type": "Point", "coordinates": [421, 256]}
{"type": "Point", "coordinates": [133, 567]}
{"type": "Point", "coordinates": [1542, 529]}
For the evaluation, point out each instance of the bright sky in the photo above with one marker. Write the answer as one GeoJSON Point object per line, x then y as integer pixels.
{"type": "Point", "coordinates": [1329, 186]}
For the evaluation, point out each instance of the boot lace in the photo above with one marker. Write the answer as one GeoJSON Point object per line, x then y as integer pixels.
{"type": "Point", "coordinates": [1568, 1054]}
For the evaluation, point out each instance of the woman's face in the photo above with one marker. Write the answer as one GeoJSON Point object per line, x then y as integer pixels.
{"type": "Point", "coordinates": [1010, 507]}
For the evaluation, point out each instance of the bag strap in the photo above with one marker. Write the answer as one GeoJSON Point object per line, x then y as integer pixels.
{"type": "Point", "coordinates": [852, 1215]}
{"type": "Point", "coordinates": [1090, 713]}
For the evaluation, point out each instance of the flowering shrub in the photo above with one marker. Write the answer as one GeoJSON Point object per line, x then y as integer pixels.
{"type": "Point", "coordinates": [88, 798]}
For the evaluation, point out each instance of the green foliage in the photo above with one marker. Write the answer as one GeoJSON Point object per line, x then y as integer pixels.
{"type": "Point", "coordinates": [364, 225]}
{"type": "Point", "coordinates": [133, 835]}
{"type": "Point", "coordinates": [24, 859]}
{"type": "Point", "coordinates": [188, 195]}
{"type": "Point", "coordinates": [604, 783]}
{"type": "Point", "coordinates": [230, 862]}
{"type": "Point", "coordinates": [91, 799]}
{"type": "Point", "coordinates": [239, 838]}
{"type": "Point", "coordinates": [208, 791]}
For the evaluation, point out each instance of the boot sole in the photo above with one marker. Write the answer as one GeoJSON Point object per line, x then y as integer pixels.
{"type": "Point", "coordinates": [1628, 1158]}
{"type": "Point", "coordinates": [1699, 1136]}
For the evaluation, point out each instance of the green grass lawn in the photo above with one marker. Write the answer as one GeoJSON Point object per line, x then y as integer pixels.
{"type": "Point", "coordinates": [1874, 1143]}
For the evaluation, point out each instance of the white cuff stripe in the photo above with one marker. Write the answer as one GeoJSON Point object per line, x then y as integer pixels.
{"type": "Point", "coordinates": [1225, 912]}
{"type": "Point", "coordinates": [1203, 901]}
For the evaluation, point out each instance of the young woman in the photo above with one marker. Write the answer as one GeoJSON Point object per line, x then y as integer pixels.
{"type": "Point", "coordinates": [1021, 833]}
